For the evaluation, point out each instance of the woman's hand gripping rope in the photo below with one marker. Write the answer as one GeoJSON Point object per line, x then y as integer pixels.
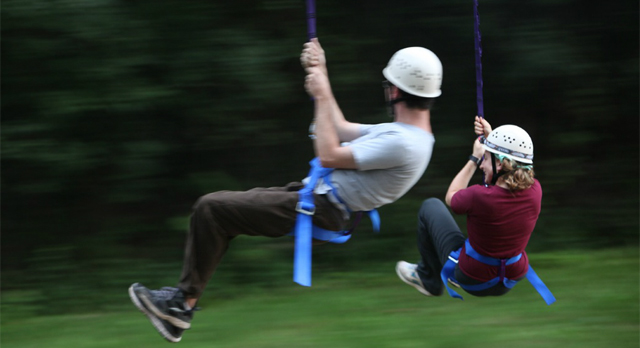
{"type": "Point", "coordinates": [481, 127]}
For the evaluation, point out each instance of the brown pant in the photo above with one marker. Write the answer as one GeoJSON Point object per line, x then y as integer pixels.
{"type": "Point", "coordinates": [220, 216]}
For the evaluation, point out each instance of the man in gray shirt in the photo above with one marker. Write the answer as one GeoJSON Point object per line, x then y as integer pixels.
{"type": "Point", "coordinates": [373, 165]}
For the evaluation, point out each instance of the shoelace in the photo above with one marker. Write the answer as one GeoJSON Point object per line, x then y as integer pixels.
{"type": "Point", "coordinates": [184, 311]}
{"type": "Point", "coordinates": [167, 293]}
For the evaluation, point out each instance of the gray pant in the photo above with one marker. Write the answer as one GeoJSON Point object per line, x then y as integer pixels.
{"type": "Point", "coordinates": [220, 216]}
{"type": "Point", "coordinates": [438, 236]}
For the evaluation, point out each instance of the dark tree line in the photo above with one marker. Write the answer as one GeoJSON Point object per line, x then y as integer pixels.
{"type": "Point", "coordinates": [117, 115]}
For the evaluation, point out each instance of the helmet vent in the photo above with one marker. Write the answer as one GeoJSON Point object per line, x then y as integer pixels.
{"type": "Point", "coordinates": [402, 64]}
{"type": "Point", "coordinates": [510, 141]}
{"type": "Point", "coordinates": [416, 71]}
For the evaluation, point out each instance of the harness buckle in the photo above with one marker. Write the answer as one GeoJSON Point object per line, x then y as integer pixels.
{"type": "Point", "coordinates": [452, 259]}
{"type": "Point", "coordinates": [306, 209]}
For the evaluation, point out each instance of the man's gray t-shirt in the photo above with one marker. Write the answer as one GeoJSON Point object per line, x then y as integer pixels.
{"type": "Point", "coordinates": [391, 158]}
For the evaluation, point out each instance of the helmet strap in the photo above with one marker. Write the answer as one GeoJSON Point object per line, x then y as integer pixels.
{"type": "Point", "coordinates": [495, 176]}
{"type": "Point", "coordinates": [391, 103]}
{"type": "Point", "coordinates": [396, 101]}
{"type": "Point", "coordinates": [390, 93]}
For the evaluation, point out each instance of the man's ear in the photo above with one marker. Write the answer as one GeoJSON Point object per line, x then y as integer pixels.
{"type": "Point", "coordinates": [394, 92]}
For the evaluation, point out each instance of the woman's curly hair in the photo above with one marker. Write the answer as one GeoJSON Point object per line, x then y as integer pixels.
{"type": "Point", "coordinates": [516, 176]}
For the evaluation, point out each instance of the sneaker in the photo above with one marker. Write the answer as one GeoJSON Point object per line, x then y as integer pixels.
{"type": "Point", "coordinates": [408, 274]}
{"type": "Point", "coordinates": [165, 309]}
{"type": "Point", "coordinates": [453, 282]}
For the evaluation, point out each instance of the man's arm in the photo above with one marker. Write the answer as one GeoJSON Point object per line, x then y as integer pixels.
{"type": "Point", "coordinates": [347, 131]}
{"type": "Point", "coordinates": [313, 56]}
{"type": "Point", "coordinates": [327, 142]}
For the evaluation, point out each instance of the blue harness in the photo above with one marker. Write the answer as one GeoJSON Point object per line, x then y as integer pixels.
{"type": "Point", "coordinates": [450, 265]}
{"type": "Point", "coordinates": [305, 231]}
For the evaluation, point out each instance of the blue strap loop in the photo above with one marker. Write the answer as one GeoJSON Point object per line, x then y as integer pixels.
{"type": "Point", "coordinates": [447, 272]}
{"type": "Point", "coordinates": [302, 251]}
{"type": "Point", "coordinates": [375, 219]}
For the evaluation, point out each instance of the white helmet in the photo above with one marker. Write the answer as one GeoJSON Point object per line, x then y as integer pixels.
{"type": "Point", "coordinates": [415, 70]}
{"type": "Point", "coordinates": [512, 142]}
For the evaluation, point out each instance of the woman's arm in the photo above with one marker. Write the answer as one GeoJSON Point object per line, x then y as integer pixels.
{"type": "Point", "coordinates": [461, 181]}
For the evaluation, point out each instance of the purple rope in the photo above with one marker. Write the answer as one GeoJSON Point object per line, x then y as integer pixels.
{"type": "Point", "coordinates": [478, 48]}
{"type": "Point", "coordinates": [311, 34]}
{"type": "Point", "coordinates": [311, 19]}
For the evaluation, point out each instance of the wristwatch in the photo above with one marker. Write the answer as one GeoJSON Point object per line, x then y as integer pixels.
{"type": "Point", "coordinates": [475, 160]}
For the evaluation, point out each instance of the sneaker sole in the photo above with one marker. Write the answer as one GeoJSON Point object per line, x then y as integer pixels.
{"type": "Point", "coordinates": [155, 321]}
{"type": "Point", "coordinates": [149, 306]}
{"type": "Point", "coordinates": [417, 287]}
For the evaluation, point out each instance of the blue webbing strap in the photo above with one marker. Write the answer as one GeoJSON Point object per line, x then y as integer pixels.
{"type": "Point", "coordinates": [532, 276]}
{"type": "Point", "coordinates": [449, 268]}
{"type": "Point", "coordinates": [469, 250]}
{"type": "Point", "coordinates": [373, 214]}
{"type": "Point", "coordinates": [540, 287]}
{"type": "Point", "coordinates": [343, 236]}
{"type": "Point", "coordinates": [375, 219]}
{"type": "Point", "coordinates": [303, 228]}
{"type": "Point", "coordinates": [447, 272]}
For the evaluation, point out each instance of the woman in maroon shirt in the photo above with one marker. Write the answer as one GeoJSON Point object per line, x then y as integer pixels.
{"type": "Point", "coordinates": [500, 217]}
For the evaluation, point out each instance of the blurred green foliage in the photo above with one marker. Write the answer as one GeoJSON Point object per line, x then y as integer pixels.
{"type": "Point", "coordinates": [117, 115]}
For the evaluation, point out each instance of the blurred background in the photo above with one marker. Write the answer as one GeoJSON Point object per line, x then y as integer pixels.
{"type": "Point", "coordinates": [118, 114]}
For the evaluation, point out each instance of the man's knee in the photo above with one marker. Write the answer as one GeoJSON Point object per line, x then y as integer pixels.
{"type": "Point", "coordinates": [207, 203]}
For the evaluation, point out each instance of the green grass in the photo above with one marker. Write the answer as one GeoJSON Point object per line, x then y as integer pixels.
{"type": "Point", "coordinates": [597, 292]}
